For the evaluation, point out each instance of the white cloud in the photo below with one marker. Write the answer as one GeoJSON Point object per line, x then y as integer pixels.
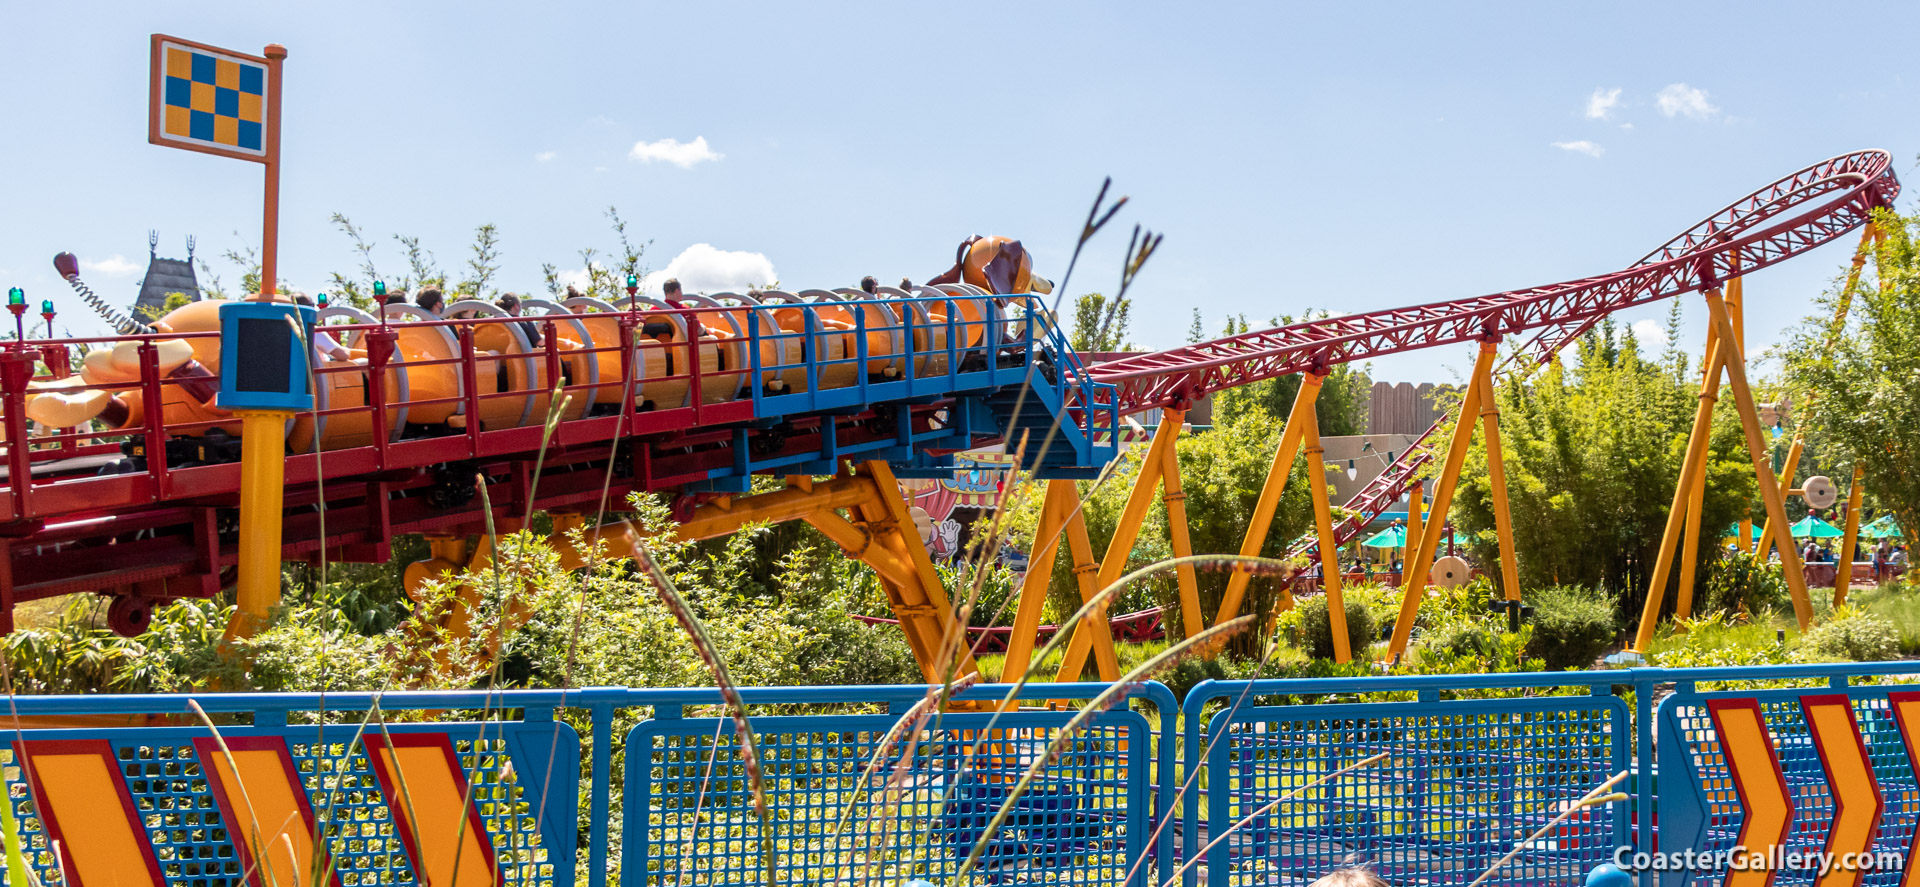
{"type": "Point", "coordinates": [1602, 103]}
{"type": "Point", "coordinates": [701, 268]}
{"type": "Point", "coordinates": [545, 156]}
{"type": "Point", "coordinates": [1581, 147]}
{"type": "Point", "coordinates": [1652, 334]}
{"type": "Point", "coordinates": [674, 151]}
{"type": "Point", "coordinates": [1681, 100]}
{"type": "Point", "coordinates": [118, 266]}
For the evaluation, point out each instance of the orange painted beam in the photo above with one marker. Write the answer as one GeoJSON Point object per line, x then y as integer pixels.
{"type": "Point", "coordinates": [1856, 794]}
{"type": "Point", "coordinates": [1766, 807]}
{"type": "Point", "coordinates": [87, 810]}
{"type": "Point", "coordinates": [267, 812]}
{"type": "Point", "coordinates": [421, 778]}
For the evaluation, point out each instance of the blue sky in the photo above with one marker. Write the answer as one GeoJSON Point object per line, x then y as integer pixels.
{"type": "Point", "coordinates": [1296, 156]}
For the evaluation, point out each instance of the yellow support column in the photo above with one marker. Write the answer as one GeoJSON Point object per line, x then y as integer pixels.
{"type": "Point", "coordinates": [1696, 503]}
{"type": "Point", "coordinates": [1769, 532]}
{"type": "Point", "coordinates": [1770, 489]}
{"type": "Point", "coordinates": [1843, 576]}
{"type": "Point", "coordinates": [1416, 505]}
{"type": "Point", "coordinates": [1697, 440]}
{"type": "Point", "coordinates": [1276, 484]}
{"type": "Point", "coordinates": [1329, 550]}
{"type": "Point", "coordinates": [1097, 634]}
{"type": "Point", "coordinates": [920, 601]}
{"type": "Point", "coordinates": [1033, 587]}
{"type": "Point", "coordinates": [1191, 620]}
{"type": "Point", "coordinates": [1690, 546]}
{"type": "Point", "coordinates": [1442, 500]}
{"type": "Point", "coordinates": [1125, 533]}
{"type": "Point", "coordinates": [1497, 479]}
{"type": "Point", "coordinates": [263, 464]}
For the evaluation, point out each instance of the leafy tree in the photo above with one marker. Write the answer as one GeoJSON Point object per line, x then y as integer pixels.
{"type": "Point", "coordinates": [1196, 332]}
{"type": "Point", "coordinates": [1863, 378]}
{"type": "Point", "coordinates": [1592, 455]}
{"type": "Point", "coordinates": [1100, 324]}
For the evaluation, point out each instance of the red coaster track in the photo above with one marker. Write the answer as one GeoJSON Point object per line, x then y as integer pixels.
{"type": "Point", "coordinates": [160, 532]}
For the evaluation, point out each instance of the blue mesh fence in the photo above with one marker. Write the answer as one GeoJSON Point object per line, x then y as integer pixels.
{"type": "Point", "coordinates": [852, 808]}
{"type": "Point", "coordinates": [1700, 805]}
{"type": "Point", "coordinates": [1470, 768]}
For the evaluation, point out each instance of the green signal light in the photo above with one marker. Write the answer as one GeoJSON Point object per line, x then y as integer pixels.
{"type": "Point", "coordinates": [16, 296]}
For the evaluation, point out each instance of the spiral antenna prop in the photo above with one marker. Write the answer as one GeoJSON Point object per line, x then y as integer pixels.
{"type": "Point", "coordinates": [69, 268]}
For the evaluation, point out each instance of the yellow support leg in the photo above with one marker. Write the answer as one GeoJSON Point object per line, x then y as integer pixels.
{"type": "Point", "coordinates": [1771, 533]}
{"type": "Point", "coordinates": [924, 601]}
{"type": "Point", "coordinates": [1033, 588]}
{"type": "Point", "coordinates": [1843, 576]}
{"type": "Point", "coordinates": [1442, 500]}
{"type": "Point", "coordinates": [1697, 501]}
{"type": "Point", "coordinates": [1746, 536]}
{"type": "Point", "coordinates": [1329, 549]}
{"type": "Point", "coordinates": [1697, 440]}
{"type": "Point", "coordinates": [1497, 479]}
{"type": "Point", "coordinates": [1269, 502]}
{"type": "Point", "coordinates": [263, 463]}
{"type": "Point", "coordinates": [1119, 549]}
{"type": "Point", "coordinates": [1691, 536]}
{"type": "Point", "coordinates": [1770, 489]}
{"type": "Point", "coordinates": [1099, 635]}
{"type": "Point", "coordinates": [1191, 620]}
{"type": "Point", "coordinates": [1416, 506]}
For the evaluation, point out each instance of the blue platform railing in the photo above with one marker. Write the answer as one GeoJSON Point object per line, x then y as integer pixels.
{"type": "Point", "coordinates": [653, 788]}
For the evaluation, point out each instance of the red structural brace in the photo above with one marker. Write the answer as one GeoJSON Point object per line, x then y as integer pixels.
{"type": "Point", "coordinates": [1810, 208]}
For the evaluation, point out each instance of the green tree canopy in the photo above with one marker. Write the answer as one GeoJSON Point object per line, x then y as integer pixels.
{"type": "Point", "coordinates": [1862, 379]}
{"type": "Point", "coordinates": [1592, 454]}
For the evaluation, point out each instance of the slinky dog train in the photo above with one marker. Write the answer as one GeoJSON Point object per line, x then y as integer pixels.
{"type": "Point", "coordinates": [950, 316]}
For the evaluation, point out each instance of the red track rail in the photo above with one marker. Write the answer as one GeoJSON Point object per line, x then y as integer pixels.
{"type": "Point", "coordinates": [157, 534]}
{"type": "Point", "coordinates": [1810, 208]}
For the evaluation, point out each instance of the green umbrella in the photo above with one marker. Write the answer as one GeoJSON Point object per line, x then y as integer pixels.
{"type": "Point", "coordinates": [1733, 532]}
{"type": "Point", "coordinates": [1391, 537]}
{"type": "Point", "coordinates": [1815, 527]}
{"type": "Point", "coordinates": [1882, 528]}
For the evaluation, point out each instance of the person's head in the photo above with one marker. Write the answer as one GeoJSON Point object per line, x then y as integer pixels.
{"type": "Point", "coordinates": [671, 289]}
{"type": "Point", "coordinates": [868, 284]}
{"type": "Point", "coordinates": [303, 299]}
{"type": "Point", "coordinates": [430, 299]}
{"type": "Point", "coordinates": [510, 303]}
{"type": "Point", "coordinates": [397, 299]}
{"type": "Point", "coordinates": [1356, 876]}
{"type": "Point", "coordinates": [906, 283]}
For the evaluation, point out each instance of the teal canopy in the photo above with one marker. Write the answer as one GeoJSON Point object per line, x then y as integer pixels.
{"type": "Point", "coordinates": [1391, 537]}
{"type": "Point", "coordinates": [1733, 532]}
{"type": "Point", "coordinates": [1815, 527]}
{"type": "Point", "coordinates": [1884, 527]}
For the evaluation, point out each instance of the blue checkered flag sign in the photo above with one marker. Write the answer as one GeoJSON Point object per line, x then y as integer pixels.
{"type": "Point", "coordinates": [211, 100]}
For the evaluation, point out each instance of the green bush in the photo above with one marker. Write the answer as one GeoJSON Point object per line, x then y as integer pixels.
{"type": "Point", "coordinates": [1851, 635]}
{"type": "Point", "coordinates": [1314, 628]}
{"type": "Point", "coordinates": [1572, 626]}
{"type": "Point", "coordinates": [1735, 584]}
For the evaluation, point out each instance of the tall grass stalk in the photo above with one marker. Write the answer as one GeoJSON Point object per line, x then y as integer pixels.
{"type": "Point", "coordinates": [1247, 820]}
{"type": "Point", "coordinates": [1114, 693]}
{"type": "Point", "coordinates": [736, 706]}
{"type": "Point", "coordinates": [911, 720]}
{"type": "Point", "coordinates": [253, 818]}
{"type": "Point", "coordinates": [1597, 796]}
